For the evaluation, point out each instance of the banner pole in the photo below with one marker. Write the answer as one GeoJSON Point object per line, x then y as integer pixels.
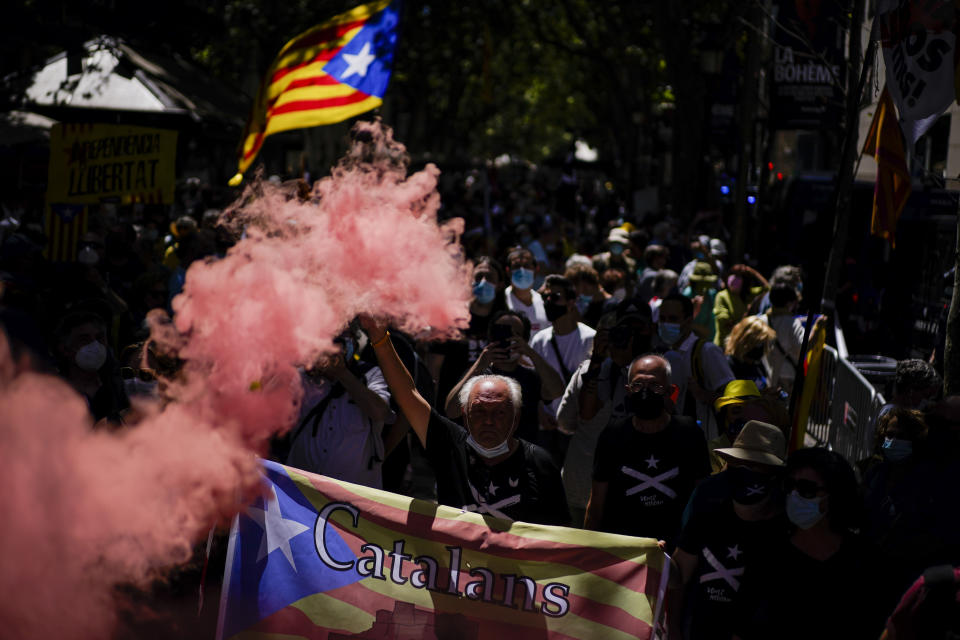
{"type": "Point", "coordinates": [845, 175]}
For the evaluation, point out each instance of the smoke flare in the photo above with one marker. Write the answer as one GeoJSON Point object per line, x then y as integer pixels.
{"type": "Point", "coordinates": [88, 510]}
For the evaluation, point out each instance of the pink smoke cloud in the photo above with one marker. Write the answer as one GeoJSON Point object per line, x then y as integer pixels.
{"type": "Point", "coordinates": [87, 510]}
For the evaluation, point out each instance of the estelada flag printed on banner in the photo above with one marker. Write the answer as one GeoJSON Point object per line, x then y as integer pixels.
{"type": "Point", "coordinates": [892, 187]}
{"type": "Point", "coordinates": [919, 47]}
{"type": "Point", "coordinates": [321, 558]}
{"type": "Point", "coordinates": [325, 75]}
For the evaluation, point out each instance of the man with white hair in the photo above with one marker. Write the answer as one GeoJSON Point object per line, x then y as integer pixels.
{"type": "Point", "coordinates": [482, 468]}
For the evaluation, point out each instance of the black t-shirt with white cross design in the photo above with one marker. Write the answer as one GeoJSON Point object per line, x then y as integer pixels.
{"type": "Point", "coordinates": [650, 476]}
{"type": "Point", "coordinates": [526, 486]}
{"type": "Point", "coordinates": [726, 547]}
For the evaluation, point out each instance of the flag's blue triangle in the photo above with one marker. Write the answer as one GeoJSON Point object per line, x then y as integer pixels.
{"type": "Point", "coordinates": [371, 52]}
{"type": "Point", "coordinates": [259, 587]}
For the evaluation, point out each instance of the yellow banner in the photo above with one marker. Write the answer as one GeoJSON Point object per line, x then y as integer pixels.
{"type": "Point", "coordinates": [90, 163]}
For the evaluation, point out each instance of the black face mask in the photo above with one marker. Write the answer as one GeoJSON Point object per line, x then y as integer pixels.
{"type": "Point", "coordinates": [645, 404]}
{"type": "Point", "coordinates": [754, 354]}
{"type": "Point", "coordinates": [733, 429]}
{"type": "Point", "coordinates": [749, 487]}
{"type": "Point", "coordinates": [554, 311]}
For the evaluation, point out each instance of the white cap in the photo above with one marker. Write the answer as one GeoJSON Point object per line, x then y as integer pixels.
{"type": "Point", "coordinates": [717, 247]}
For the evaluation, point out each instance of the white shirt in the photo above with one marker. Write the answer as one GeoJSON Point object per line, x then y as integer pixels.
{"type": "Point", "coordinates": [577, 469]}
{"type": "Point", "coordinates": [535, 312]}
{"type": "Point", "coordinates": [575, 347]}
{"type": "Point", "coordinates": [655, 303]}
{"type": "Point", "coordinates": [346, 440]}
{"type": "Point", "coordinates": [716, 375]}
{"type": "Point", "coordinates": [790, 338]}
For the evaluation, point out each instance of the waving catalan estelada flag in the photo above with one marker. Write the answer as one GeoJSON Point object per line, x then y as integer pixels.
{"type": "Point", "coordinates": [327, 74]}
{"type": "Point", "coordinates": [319, 558]}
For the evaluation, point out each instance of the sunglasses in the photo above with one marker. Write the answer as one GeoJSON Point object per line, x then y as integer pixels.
{"type": "Point", "coordinates": [636, 387]}
{"type": "Point", "coordinates": [805, 488]}
{"type": "Point", "coordinates": [145, 375]}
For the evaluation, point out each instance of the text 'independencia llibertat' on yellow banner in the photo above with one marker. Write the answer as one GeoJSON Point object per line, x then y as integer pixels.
{"type": "Point", "coordinates": [94, 163]}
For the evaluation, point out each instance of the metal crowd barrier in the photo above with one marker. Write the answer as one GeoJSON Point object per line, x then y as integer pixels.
{"type": "Point", "coordinates": [844, 409]}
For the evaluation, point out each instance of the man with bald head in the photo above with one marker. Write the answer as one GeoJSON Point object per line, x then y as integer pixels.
{"type": "Point", "coordinates": [646, 467]}
{"type": "Point", "coordinates": [484, 467]}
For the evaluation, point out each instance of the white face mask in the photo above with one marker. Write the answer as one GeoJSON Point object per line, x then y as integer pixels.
{"type": "Point", "coordinates": [499, 450]}
{"type": "Point", "coordinates": [91, 356]}
{"type": "Point", "coordinates": [88, 256]}
{"type": "Point", "coordinates": [620, 294]}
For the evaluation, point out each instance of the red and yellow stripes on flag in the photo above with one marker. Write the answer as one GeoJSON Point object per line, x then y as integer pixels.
{"type": "Point", "coordinates": [64, 225]}
{"type": "Point", "coordinates": [297, 92]}
{"type": "Point", "coordinates": [885, 144]}
{"type": "Point", "coordinates": [812, 365]}
{"type": "Point", "coordinates": [612, 580]}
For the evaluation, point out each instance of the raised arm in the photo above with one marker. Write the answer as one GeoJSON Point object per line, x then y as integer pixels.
{"type": "Point", "coordinates": [414, 407]}
{"type": "Point", "coordinates": [596, 505]}
{"type": "Point", "coordinates": [490, 354]}
{"type": "Point", "coordinates": [552, 384]}
{"type": "Point", "coordinates": [370, 404]}
{"type": "Point", "coordinates": [589, 400]}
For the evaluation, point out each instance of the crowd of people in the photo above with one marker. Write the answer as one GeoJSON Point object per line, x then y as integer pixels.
{"type": "Point", "coordinates": [624, 379]}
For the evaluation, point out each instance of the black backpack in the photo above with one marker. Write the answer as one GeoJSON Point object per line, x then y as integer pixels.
{"type": "Point", "coordinates": [938, 614]}
{"type": "Point", "coordinates": [929, 610]}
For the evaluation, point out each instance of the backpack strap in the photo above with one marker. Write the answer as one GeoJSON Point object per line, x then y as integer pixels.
{"type": "Point", "coordinates": [556, 350]}
{"type": "Point", "coordinates": [696, 371]}
{"type": "Point", "coordinates": [314, 415]}
{"type": "Point", "coordinates": [787, 356]}
{"type": "Point", "coordinates": [696, 362]}
{"type": "Point", "coordinates": [358, 369]}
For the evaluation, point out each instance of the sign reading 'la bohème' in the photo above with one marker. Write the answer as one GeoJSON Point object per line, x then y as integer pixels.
{"type": "Point", "coordinates": [806, 89]}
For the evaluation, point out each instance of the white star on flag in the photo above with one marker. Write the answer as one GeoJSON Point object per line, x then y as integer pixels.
{"type": "Point", "coordinates": [358, 63]}
{"type": "Point", "coordinates": [277, 530]}
{"type": "Point", "coordinates": [652, 462]}
{"type": "Point", "coordinates": [734, 551]}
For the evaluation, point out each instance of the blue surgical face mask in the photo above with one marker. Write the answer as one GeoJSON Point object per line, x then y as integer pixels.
{"type": "Point", "coordinates": [669, 332]}
{"type": "Point", "coordinates": [699, 255]}
{"type": "Point", "coordinates": [484, 292]}
{"type": "Point", "coordinates": [137, 387]}
{"type": "Point", "coordinates": [522, 278]}
{"type": "Point", "coordinates": [583, 303]}
{"type": "Point", "coordinates": [91, 356]}
{"type": "Point", "coordinates": [616, 248]}
{"type": "Point", "coordinates": [896, 449]}
{"type": "Point", "coordinates": [803, 512]}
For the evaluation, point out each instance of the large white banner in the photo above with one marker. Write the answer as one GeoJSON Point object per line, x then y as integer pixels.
{"type": "Point", "coordinates": [918, 41]}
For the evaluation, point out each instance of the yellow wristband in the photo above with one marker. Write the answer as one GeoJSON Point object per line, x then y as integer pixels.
{"type": "Point", "coordinates": [381, 340]}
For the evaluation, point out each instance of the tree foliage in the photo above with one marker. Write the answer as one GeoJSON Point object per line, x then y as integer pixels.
{"type": "Point", "coordinates": [471, 80]}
